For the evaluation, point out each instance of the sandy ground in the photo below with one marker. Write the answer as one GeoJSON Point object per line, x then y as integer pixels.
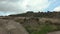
{"type": "Point", "coordinates": [11, 27]}
{"type": "Point", "coordinates": [56, 32]}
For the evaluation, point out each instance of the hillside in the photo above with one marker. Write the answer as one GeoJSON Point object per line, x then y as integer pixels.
{"type": "Point", "coordinates": [38, 14]}
{"type": "Point", "coordinates": [37, 23]}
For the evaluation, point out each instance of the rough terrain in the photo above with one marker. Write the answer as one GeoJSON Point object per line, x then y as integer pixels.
{"type": "Point", "coordinates": [11, 27]}
{"type": "Point", "coordinates": [55, 32]}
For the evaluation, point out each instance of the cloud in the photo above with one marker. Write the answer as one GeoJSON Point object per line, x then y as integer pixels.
{"type": "Point", "coordinates": [9, 5]}
{"type": "Point", "coordinates": [57, 8]}
{"type": "Point", "coordinates": [35, 5]}
{"type": "Point", "coordinates": [20, 6]}
{"type": "Point", "coordinates": [10, 0]}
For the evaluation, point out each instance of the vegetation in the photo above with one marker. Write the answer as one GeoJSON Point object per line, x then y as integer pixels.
{"type": "Point", "coordinates": [33, 26]}
{"type": "Point", "coordinates": [39, 14]}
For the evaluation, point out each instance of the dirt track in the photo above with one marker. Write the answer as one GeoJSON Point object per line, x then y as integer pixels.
{"type": "Point", "coordinates": [11, 27]}
{"type": "Point", "coordinates": [56, 32]}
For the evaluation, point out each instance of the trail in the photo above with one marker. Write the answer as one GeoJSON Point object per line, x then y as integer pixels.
{"type": "Point", "coordinates": [11, 27]}
{"type": "Point", "coordinates": [56, 32]}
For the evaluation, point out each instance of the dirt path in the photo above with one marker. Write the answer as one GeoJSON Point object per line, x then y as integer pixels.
{"type": "Point", "coordinates": [11, 27]}
{"type": "Point", "coordinates": [56, 32]}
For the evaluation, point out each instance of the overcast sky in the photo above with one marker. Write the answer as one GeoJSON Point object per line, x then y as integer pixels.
{"type": "Point", "coordinates": [20, 6]}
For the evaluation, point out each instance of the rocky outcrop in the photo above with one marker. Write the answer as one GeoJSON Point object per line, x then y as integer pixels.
{"type": "Point", "coordinates": [11, 27]}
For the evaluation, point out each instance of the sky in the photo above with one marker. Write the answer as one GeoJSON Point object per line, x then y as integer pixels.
{"type": "Point", "coordinates": [8, 7]}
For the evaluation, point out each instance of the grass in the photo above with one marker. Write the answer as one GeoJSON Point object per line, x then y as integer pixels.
{"type": "Point", "coordinates": [42, 28]}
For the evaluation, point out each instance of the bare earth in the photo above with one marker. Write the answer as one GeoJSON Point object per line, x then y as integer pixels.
{"type": "Point", "coordinates": [11, 27]}
{"type": "Point", "coordinates": [56, 32]}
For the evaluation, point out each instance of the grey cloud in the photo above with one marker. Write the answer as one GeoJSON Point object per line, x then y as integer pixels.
{"type": "Point", "coordinates": [19, 6]}
{"type": "Point", "coordinates": [9, 7]}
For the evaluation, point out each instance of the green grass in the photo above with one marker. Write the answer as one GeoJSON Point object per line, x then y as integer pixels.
{"type": "Point", "coordinates": [43, 29]}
